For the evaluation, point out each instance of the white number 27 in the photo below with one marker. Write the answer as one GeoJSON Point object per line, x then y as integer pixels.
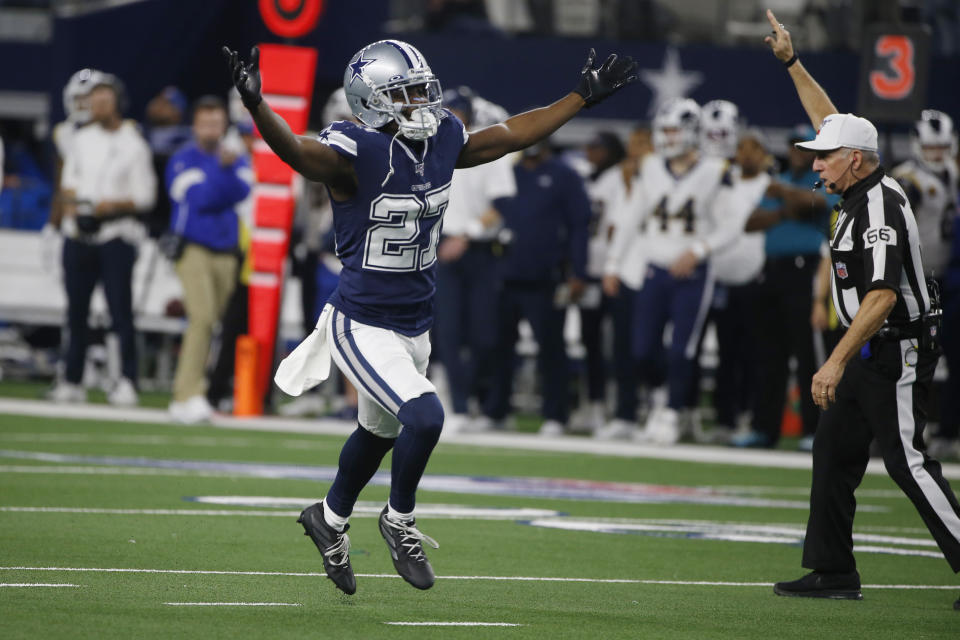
{"type": "Point", "coordinates": [395, 242]}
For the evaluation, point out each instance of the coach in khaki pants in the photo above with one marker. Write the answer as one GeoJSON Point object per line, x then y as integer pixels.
{"type": "Point", "coordinates": [206, 181]}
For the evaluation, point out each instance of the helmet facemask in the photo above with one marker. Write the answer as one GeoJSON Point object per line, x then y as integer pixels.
{"type": "Point", "coordinates": [933, 140]}
{"type": "Point", "coordinates": [390, 80]}
{"type": "Point", "coordinates": [676, 128]}
{"type": "Point", "coordinates": [719, 125]}
{"type": "Point", "coordinates": [413, 105]}
{"type": "Point", "coordinates": [76, 95]}
{"type": "Point", "coordinates": [671, 142]}
{"type": "Point", "coordinates": [417, 108]}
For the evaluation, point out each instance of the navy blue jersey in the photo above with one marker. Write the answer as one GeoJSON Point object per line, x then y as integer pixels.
{"type": "Point", "coordinates": [386, 234]}
{"type": "Point", "coordinates": [549, 217]}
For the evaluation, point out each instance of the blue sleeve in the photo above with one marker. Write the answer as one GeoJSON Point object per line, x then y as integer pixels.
{"type": "Point", "coordinates": [222, 189]}
{"type": "Point", "coordinates": [577, 218]}
{"type": "Point", "coordinates": [218, 189]}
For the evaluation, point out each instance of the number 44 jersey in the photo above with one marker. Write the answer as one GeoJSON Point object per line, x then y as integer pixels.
{"type": "Point", "coordinates": [677, 213]}
{"type": "Point", "coordinates": [387, 233]}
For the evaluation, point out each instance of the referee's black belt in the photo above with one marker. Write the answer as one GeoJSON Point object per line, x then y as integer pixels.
{"type": "Point", "coordinates": [900, 332]}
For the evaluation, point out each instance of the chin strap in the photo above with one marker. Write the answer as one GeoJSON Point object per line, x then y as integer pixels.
{"type": "Point", "coordinates": [390, 159]}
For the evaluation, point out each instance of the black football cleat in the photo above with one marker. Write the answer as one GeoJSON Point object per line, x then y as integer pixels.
{"type": "Point", "coordinates": [836, 586]}
{"type": "Point", "coordinates": [333, 545]}
{"type": "Point", "coordinates": [956, 605]}
{"type": "Point", "coordinates": [406, 549]}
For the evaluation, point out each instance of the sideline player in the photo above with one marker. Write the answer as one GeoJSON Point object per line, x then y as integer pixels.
{"type": "Point", "coordinates": [75, 106]}
{"type": "Point", "coordinates": [929, 179]}
{"type": "Point", "coordinates": [389, 181]}
{"type": "Point", "coordinates": [684, 200]}
{"type": "Point", "coordinates": [874, 385]}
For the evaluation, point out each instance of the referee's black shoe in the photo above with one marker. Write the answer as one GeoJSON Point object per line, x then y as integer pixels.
{"type": "Point", "coordinates": [837, 586]}
{"type": "Point", "coordinates": [334, 546]}
{"type": "Point", "coordinates": [406, 550]}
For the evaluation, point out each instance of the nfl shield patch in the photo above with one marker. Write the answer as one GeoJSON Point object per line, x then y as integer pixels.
{"type": "Point", "coordinates": [841, 268]}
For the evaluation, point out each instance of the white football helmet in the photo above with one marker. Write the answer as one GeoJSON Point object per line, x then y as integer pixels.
{"type": "Point", "coordinates": [719, 128]}
{"type": "Point", "coordinates": [390, 80]}
{"type": "Point", "coordinates": [76, 91]}
{"type": "Point", "coordinates": [933, 139]}
{"type": "Point", "coordinates": [336, 107]}
{"type": "Point", "coordinates": [486, 113]}
{"type": "Point", "coordinates": [676, 127]}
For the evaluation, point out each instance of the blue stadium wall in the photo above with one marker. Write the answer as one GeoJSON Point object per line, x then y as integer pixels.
{"type": "Point", "coordinates": [159, 42]}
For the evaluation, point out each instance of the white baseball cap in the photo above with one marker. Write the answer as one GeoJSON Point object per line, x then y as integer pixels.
{"type": "Point", "coordinates": [843, 130]}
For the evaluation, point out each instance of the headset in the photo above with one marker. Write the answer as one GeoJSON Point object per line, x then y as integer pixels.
{"type": "Point", "coordinates": [119, 90]}
{"type": "Point", "coordinates": [833, 185]}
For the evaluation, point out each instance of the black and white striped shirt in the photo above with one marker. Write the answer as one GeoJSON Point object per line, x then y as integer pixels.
{"type": "Point", "coordinates": [876, 245]}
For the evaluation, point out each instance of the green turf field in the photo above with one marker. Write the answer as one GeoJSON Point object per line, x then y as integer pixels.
{"type": "Point", "coordinates": [94, 495]}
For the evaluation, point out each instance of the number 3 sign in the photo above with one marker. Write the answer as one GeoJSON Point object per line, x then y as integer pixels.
{"type": "Point", "coordinates": [893, 72]}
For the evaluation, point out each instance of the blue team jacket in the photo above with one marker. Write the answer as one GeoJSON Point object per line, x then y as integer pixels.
{"type": "Point", "coordinates": [204, 197]}
{"type": "Point", "coordinates": [549, 218]}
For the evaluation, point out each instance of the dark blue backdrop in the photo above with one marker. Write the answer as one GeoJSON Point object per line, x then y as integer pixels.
{"type": "Point", "coordinates": [160, 42]}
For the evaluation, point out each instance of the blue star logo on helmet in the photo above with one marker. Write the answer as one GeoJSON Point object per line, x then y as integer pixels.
{"type": "Point", "coordinates": [356, 67]}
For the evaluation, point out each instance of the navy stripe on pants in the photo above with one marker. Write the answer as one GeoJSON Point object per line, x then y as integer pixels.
{"type": "Point", "coordinates": [682, 302]}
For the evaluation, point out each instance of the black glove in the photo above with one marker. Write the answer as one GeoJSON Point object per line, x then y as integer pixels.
{"type": "Point", "coordinates": [597, 84]}
{"type": "Point", "coordinates": [246, 78]}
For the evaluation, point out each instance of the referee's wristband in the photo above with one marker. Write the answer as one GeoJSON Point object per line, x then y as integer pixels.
{"type": "Point", "coordinates": [789, 63]}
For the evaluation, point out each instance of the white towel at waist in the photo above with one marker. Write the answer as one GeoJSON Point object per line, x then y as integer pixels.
{"type": "Point", "coordinates": [309, 364]}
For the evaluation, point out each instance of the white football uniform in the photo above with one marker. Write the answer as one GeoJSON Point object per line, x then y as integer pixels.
{"type": "Point", "coordinates": [625, 254]}
{"type": "Point", "coordinates": [472, 193]}
{"type": "Point", "coordinates": [606, 193]}
{"type": "Point", "coordinates": [742, 260]}
{"type": "Point", "coordinates": [687, 212]}
{"type": "Point", "coordinates": [933, 198]}
{"type": "Point", "coordinates": [63, 135]}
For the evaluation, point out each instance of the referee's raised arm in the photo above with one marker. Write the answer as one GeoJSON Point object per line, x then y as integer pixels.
{"type": "Point", "coordinates": [815, 100]}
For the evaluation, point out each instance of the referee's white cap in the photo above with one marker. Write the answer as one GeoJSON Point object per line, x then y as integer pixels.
{"type": "Point", "coordinates": [843, 130]}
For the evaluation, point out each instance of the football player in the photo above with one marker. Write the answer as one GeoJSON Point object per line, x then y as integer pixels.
{"type": "Point", "coordinates": [719, 129]}
{"type": "Point", "coordinates": [929, 179]}
{"type": "Point", "coordinates": [75, 98]}
{"type": "Point", "coordinates": [389, 182]}
{"type": "Point", "coordinates": [683, 200]}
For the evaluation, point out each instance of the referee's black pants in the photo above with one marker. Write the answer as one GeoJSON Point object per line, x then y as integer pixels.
{"type": "Point", "coordinates": [883, 396]}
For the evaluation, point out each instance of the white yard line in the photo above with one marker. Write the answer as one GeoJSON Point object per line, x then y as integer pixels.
{"type": "Point", "coordinates": [112, 471]}
{"type": "Point", "coordinates": [516, 441]}
{"type": "Point", "coordinates": [158, 512]}
{"type": "Point", "coordinates": [36, 584]}
{"type": "Point", "coordinates": [233, 604]}
{"type": "Point", "coordinates": [437, 512]}
{"type": "Point", "coordinates": [454, 624]}
{"type": "Point", "coordinates": [297, 574]}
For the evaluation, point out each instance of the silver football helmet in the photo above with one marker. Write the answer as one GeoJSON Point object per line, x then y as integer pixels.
{"type": "Point", "coordinates": [719, 128]}
{"type": "Point", "coordinates": [76, 91]}
{"type": "Point", "coordinates": [933, 139]}
{"type": "Point", "coordinates": [390, 80]}
{"type": "Point", "coordinates": [676, 127]}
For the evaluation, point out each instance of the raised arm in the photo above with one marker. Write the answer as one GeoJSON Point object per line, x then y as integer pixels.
{"type": "Point", "coordinates": [530, 127]}
{"type": "Point", "coordinates": [307, 156]}
{"type": "Point", "coordinates": [814, 99]}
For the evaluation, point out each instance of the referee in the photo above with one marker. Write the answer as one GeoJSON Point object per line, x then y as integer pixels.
{"type": "Point", "coordinates": [875, 383]}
